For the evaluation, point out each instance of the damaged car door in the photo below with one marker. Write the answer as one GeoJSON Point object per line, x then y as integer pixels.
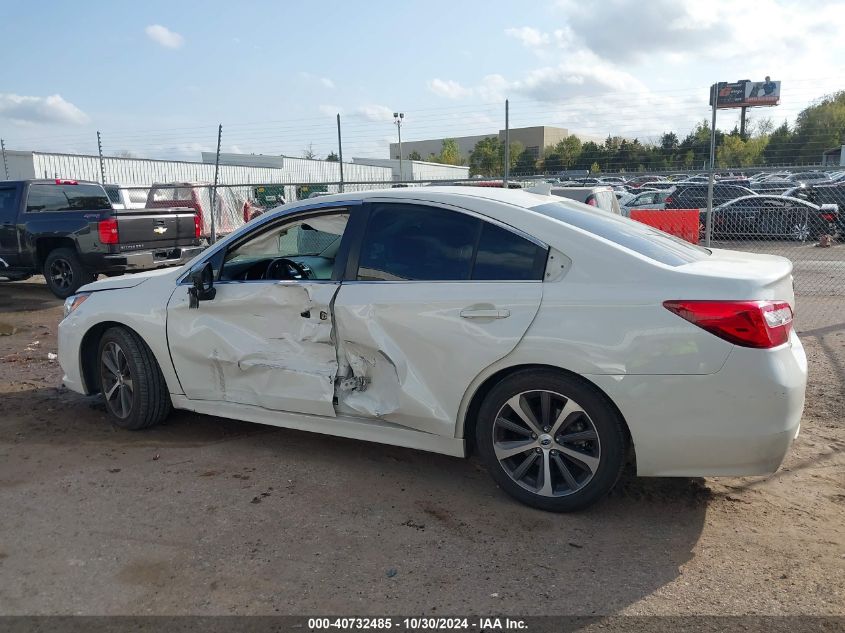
{"type": "Point", "coordinates": [266, 336]}
{"type": "Point", "coordinates": [432, 297]}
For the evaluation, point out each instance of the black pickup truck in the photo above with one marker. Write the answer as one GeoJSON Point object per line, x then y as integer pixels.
{"type": "Point", "coordinates": [68, 231]}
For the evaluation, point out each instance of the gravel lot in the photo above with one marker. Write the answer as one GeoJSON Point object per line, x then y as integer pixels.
{"type": "Point", "coordinates": [210, 516]}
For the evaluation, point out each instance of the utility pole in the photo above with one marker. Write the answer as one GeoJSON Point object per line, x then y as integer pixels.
{"type": "Point", "coordinates": [507, 147]}
{"type": "Point", "coordinates": [398, 117]}
{"type": "Point", "coordinates": [102, 162]}
{"type": "Point", "coordinates": [5, 164]}
{"type": "Point", "coordinates": [711, 175]}
{"type": "Point", "coordinates": [214, 189]}
{"type": "Point", "coordinates": [340, 152]}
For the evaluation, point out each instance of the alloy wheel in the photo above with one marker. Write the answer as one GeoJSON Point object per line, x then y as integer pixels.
{"type": "Point", "coordinates": [546, 443]}
{"type": "Point", "coordinates": [800, 232]}
{"type": "Point", "coordinates": [118, 387]}
{"type": "Point", "coordinates": [61, 274]}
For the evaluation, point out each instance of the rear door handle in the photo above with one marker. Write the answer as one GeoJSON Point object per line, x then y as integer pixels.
{"type": "Point", "coordinates": [472, 313]}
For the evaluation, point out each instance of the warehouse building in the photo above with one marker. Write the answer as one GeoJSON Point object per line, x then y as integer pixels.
{"type": "Point", "coordinates": [534, 139]}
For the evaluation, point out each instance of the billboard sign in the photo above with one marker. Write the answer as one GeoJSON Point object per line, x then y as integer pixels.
{"type": "Point", "coordinates": [745, 93]}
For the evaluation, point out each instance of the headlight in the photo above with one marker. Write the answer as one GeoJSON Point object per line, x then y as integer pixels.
{"type": "Point", "coordinates": [74, 301]}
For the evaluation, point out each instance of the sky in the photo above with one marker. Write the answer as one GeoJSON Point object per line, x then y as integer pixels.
{"type": "Point", "coordinates": [156, 78]}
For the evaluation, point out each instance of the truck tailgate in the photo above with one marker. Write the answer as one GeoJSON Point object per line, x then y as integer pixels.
{"type": "Point", "coordinates": [155, 228]}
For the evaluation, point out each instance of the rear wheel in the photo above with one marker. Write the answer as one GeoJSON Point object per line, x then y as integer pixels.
{"type": "Point", "coordinates": [550, 440]}
{"type": "Point", "coordinates": [131, 381]}
{"type": "Point", "coordinates": [64, 272]}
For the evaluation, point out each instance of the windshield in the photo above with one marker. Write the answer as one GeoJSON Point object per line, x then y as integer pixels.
{"type": "Point", "coordinates": [630, 234]}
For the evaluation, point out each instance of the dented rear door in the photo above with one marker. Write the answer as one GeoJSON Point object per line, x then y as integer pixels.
{"type": "Point", "coordinates": [264, 343]}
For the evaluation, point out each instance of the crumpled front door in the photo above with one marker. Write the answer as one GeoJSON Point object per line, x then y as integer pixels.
{"type": "Point", "coordinates": [267, 344]}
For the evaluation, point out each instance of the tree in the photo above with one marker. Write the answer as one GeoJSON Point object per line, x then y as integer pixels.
{"type": "Point", "coordinates": [820, 127]}
{"type": "Point", "coordinates": [332, 157]}
{"type": "Point", "coordinates": [415, 155]}
{"type": "Point", "coordinates": [780, 146]}
{"type": "Point", "coordinates": [485, 158]}
{"type": "Point", "coordinates": [525, 164]}
{"type": "Point", "coordinates": [450, 153]}
{"type": "Point", "coordinates": [309, 152]}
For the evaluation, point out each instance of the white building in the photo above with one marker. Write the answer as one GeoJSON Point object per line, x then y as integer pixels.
{"type": "Point", "coordinates": [417, 170]}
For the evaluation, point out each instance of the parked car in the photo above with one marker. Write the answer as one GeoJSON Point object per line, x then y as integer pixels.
{"type": "Point", "coordinates": [554, 339]}
{"type": "Point", "coordinates": [772, 216]}
{"type": "Point", "coordinates": [623, 197]}
{"type": "Point", "coordinates": [228, 205]}
{"type": "Point", "coordinates": [809, 176]}
{"type": "Point", "coordinates": [126, 198]}
{"type": "Point", "coordinates": [639, 181]}
{"type": "Point", "coordinates": [686, 196]}
{"type": "Point", "coordinates": [823, 195]}
{"type": "Point", "coordinates": [771, 186]}
{"type": "Point", "coordinates": [68, 231]}
{"type": "Point", "coordinates": [598, 196]}
{"type": "Point", "coordinates": [646, 200]}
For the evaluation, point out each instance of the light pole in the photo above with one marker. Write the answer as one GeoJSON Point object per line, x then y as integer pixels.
{"type": "Point", "coordinates": [397, 119]}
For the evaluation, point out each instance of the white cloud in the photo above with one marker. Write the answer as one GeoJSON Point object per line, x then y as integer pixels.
{"type": "Point", "coordinates": [449, 89]}
{"type": "Point", "coordinates": [330, 110]}
{"type": "Point", "coordinates": [164, 36]}
{"type": "Point", "coordinates": [529, 36]}
{"type": "Point", "coordinates": [375, 113]}
{"type": "Point", "coordinates": [323, 81]}
{"type": "Point", "coordinates": [52, 109]}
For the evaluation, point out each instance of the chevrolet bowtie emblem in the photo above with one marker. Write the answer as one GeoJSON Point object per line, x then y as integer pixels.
{"type": "Point", "coordinates": [159, 229]}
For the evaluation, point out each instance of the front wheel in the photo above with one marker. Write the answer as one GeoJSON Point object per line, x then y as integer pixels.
{"type": "Point", "coordinates": [551, 441]}
{"type": "Point", "coordinates": [131, 381]}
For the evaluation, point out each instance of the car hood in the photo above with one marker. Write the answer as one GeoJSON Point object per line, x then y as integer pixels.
{"type": "Point", "coordinates": [126, 281]}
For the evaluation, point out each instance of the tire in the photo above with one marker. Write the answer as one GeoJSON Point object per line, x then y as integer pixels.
{"type": "Point", "coordinates": [64, 272]}
{"type": "Point", "coordinates": [596, 431]}
{"type": "Point", "coordinates": [144, 401]}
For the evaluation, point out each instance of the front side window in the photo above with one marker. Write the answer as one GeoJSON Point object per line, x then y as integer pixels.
{"type": "Point", "coordinates": [46, 198]}
{"type": "Point", "coordinates": [300, 249]}
{"type": "Point", "coordinates": [406, 242]}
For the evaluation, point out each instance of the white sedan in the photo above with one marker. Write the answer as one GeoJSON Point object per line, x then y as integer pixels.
{"type": "Point", "coordinates": [556, 340]}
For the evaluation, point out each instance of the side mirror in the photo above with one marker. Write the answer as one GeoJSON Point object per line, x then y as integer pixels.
{"type": "Point", "coordinates": [203, 288]}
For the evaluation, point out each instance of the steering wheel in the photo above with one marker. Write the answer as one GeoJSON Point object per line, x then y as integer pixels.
{"type": "Point", "coordinates": [283, 268]}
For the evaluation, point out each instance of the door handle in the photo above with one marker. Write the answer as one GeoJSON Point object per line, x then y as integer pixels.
{"type": "Point", "coordinates": [482, 313]}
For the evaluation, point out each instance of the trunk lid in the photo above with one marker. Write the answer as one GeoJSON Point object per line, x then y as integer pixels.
{"type": "Point", "coordinates": [737, 275]}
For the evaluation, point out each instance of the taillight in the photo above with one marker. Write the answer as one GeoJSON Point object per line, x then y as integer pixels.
{"type": "Point", "coordinates": [197, 226]}
{"type": "Point", "coordinates": [759, 324]}
{"type": "Point", "coordinates": [61, 181]}
{"type": "Point", "coordinates": [668, 200]}
{"type": "Point", "coordinates": [108, 231]}
{"type": "Point", "coordinates": [828, 217]}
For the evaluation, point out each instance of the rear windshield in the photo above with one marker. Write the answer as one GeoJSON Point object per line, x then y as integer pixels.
{"type": "Point", "coordinates": [640, 238]}
{"type": "Point", "coordinates": [49, 197]}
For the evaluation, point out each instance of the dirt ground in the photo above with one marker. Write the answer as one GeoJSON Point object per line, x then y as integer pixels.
{"type": "Point", "coordinates": [210, 516]}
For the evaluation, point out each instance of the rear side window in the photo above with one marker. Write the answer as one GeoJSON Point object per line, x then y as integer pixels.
{"type": "Point", "coordinates": [7, 203]}
{"type": "Point", "coordinates": [46, 198]}
{"type": "Point", "coordinates": [505, 256]}
{"type": "Point", "coordinates": [640, 238]}
{"type": "Point", "coordinates": [422, 243]}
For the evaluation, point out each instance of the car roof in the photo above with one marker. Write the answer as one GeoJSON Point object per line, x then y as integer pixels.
{"type": "Point", "coordinates": [517, 197]}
